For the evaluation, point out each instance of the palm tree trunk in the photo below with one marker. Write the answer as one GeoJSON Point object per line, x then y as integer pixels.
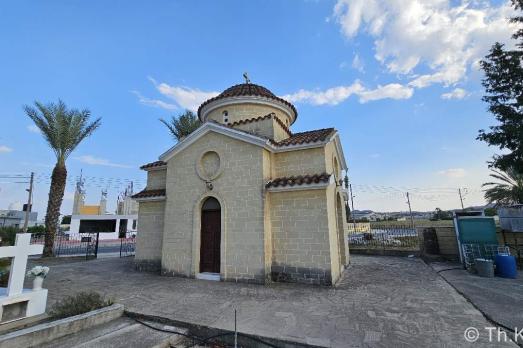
{"type": "Point", "coordinates": [56, 195]}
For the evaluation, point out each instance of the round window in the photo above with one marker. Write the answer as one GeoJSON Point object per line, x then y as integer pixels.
{"type": "Point", "coordinates": [209, 165]}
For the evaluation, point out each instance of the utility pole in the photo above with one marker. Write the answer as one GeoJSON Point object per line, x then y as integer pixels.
{"type": "Point", "coordinates": [410, 211]}
{"type": "Point", "coordinates": [29, 202]}
{"type": "Point", "coordinates": [461, 198]}
{"type": "Point", "coordinates": [352, 207]}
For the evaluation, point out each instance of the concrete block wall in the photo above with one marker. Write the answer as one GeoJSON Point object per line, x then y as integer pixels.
{"type": "Point", "coordinates": [300, 237]}
{"type": "Point", "coordinates": [448, 245]}
{"type": "Point", "coordinates": [150, 235]}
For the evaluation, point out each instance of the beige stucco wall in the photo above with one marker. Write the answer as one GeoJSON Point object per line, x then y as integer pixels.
{"type": "Point", "coordinates": [245, 111]}
{"type": "Point", "coordinates": [240, 190]}
{"type": "Point", "coordinates": [150, 234]}
{"type": "Point", "coordinates": [156, 179]}
{"type": "Point", "coordinates": [301, 239]}
{"type": "Point", "coordinates": [300, 162]}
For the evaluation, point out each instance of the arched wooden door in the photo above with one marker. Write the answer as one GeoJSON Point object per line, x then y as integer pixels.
{"type": "Point", "coordinates": [210, 236]}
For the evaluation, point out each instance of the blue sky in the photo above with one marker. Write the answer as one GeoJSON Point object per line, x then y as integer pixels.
{"type": "Point", "coordinates": [398, 79]}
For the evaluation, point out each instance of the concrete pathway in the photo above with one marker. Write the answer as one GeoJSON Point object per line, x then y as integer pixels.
{"type": "Point", "coordinates": [380, 302]}
{"type": "Point", "coordinates": [500, 299]}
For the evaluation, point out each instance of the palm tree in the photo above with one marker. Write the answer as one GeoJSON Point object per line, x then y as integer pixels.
{"type": "Point", "coordinates": [508, 191]}
{"type": "Point", "coordinates": [183, 125]}
{"type": "Point", "coordinates": [63, 129]}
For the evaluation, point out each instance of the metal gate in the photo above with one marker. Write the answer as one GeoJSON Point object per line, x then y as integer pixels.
{"type": "Point", "coordinates": [128, 244]}
{"type": "Point", "coordinates": [91, 250]}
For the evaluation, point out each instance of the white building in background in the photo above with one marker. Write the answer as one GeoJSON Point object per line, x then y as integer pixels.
{"type": "Point", "coordinates": [95, 219]}
{"type": "Point", "coordinates": [16, 218]}
{"type": "Point", "coordinates": [110, 226]}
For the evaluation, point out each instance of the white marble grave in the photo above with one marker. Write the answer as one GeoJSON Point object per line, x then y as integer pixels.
{"type": "Point", "coordinates": [15, 301]}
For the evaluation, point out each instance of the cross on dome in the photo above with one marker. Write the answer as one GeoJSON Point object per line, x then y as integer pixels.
{"type": "Point", "coordinates": [246, 77]}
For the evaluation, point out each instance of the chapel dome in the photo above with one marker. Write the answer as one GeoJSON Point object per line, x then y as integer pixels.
{"type": "Point", "coordinates": [247, 93]}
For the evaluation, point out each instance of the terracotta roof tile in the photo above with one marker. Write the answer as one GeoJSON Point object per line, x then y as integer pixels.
{"type": "Point", "coordinates": [153, 164]}
{"type": "Point", "coordinates": [247, 89]}
{"type": "Point", "coordinates": [149, 193]}
{"type": "Point", "coordinates": [299, 180]}
{"type": "Point", "coordinates": [306, 137]}
{"type": "Point", "coordinates": [261, 118]}
{"type": "Point", "coordinates": [250, 120]}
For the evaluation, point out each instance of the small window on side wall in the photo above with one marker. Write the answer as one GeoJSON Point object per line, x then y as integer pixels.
{"type": "Point", "coordinates": [225, 114]}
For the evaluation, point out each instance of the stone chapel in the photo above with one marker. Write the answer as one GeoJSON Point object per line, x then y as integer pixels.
{"type": "Point", "coordinates": [243, 198]}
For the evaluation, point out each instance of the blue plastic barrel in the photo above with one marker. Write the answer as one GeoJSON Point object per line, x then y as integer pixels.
{"type": "Point", "coordinates": [506, 266]}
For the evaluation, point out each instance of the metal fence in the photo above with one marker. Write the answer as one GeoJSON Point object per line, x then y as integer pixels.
{"type": "Point", "coordinates": [385, 237]}
{"type": "Point", "coordinates": [90, 245]}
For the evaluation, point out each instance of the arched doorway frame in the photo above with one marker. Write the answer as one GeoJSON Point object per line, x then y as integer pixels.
{"type": "Point", "coordinates": [196, 237]}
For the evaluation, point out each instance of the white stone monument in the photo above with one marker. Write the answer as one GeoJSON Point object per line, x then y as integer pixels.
{"type": "Point", "coordinates": [15, 301]}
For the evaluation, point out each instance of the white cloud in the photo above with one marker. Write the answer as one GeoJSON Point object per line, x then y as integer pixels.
{"type": "Point", "coordinates": [357, 64]}
{"type": "Point", "coordinates": [336, 95]}
{"type": "Point", "coordinates": [33, 129]}
{"type": "Point", "coordinates": [453, 173]}
{"type": "Point", "coordinates": [154, 102]}
{"type": "Point", "coordinates": [96, 161]}
{"type": "Point", "coordinates": [185, 97]}
{"type": "Point", "coordinates": [457, 93]}
{"type": "Point", "coordinates": [390, 91]}
{"type": "Point", "coordinates": [442, 36]}
{"type": "Point", "coordinates": [5, 149]}
{"type": "Point", "coordinates": [375, 155]}
{"type": "Point", "coordinates": [331, 96]}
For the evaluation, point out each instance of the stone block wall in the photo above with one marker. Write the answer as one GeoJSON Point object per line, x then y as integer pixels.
{"type": "Point", "coordinates": [279, 133]}
{"type": "Point", "coordinates": [150, 235]}
{"type": "Point", "coordinates": [269, 128]}
{"type": "Point", "coordinates": [156, 179]}
{"type": "Point", "coordinates": [301, 162]}
{"type": "Point", "coordinates": [240, 190]}
{"type": "Point", "coordinates": [300, 237]}
{"type": "Point", "coordinates": [245, 111]}
{"type": "Point", "coordinates": [263, 128]}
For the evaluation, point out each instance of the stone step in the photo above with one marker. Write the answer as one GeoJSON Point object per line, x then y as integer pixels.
{"type": "Point", "coordinates": [120, 333]}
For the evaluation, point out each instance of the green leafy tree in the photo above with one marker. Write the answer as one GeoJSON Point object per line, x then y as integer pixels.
{"type": "Point", "coordinates": [441, 215]}
{"type": "Point", "coordinates": [509, 189]}
{"type": "Point", "coordinates": [491, 212]}
{"type": "Point", "coordinates": [504, 87]}
{"type": "Point", "coordinates": [66, 220]}
{"type": "Point", "coordinates": [182, 125]}
{"type": "Point", "coordinates": [63, 129]}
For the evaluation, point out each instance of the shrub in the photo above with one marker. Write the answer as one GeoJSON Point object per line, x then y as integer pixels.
{"type": "Point", "coordinates": [5, 266]}
{"type": "Point", "coordinates": [37, 230]}
{"type": "Point", "coordinates": [8, 235]}
{"type": "Point", "coordinates": [79, 303]}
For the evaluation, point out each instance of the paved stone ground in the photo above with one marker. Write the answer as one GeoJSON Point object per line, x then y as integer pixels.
{"type": "Point", "coordinates": [500, 299]}
{"type": "Point", "coordinates": [380, 302]}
